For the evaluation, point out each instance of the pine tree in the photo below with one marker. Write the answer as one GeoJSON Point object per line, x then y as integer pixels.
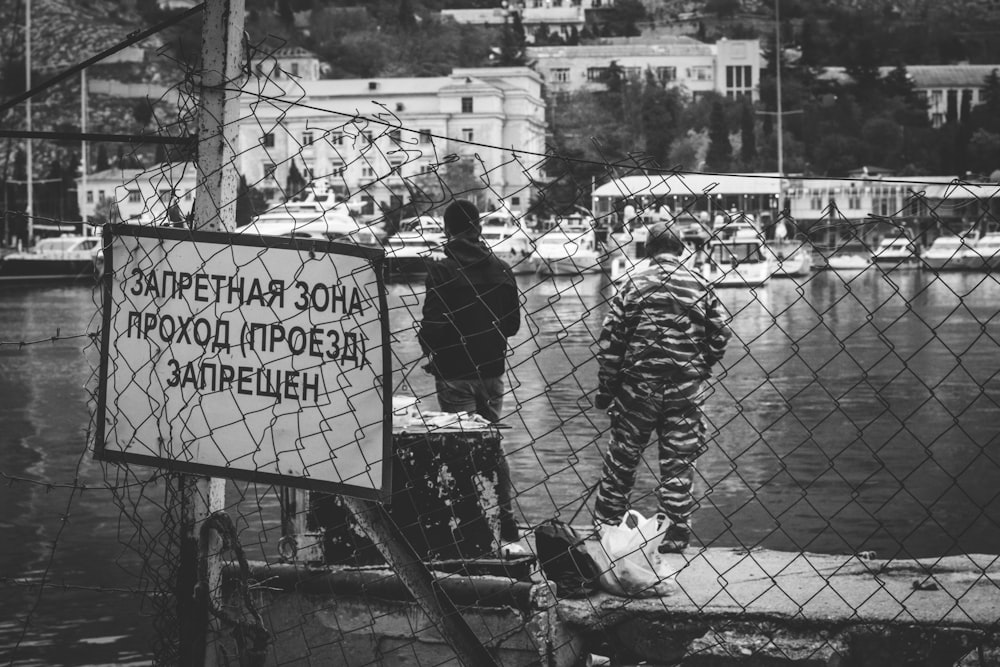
{"type": "Point", "coordinates": [720, 151]}
{"type": "Point", "coordinates": [748, 149]}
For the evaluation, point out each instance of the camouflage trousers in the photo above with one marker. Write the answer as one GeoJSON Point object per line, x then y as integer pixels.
{"type": "Point", "coordinates": [671, 410]}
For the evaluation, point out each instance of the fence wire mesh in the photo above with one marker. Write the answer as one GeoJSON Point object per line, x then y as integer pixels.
{"type": "Point", "coordinates": [853, 413]}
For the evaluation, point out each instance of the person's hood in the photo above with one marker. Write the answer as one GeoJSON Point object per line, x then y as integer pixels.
{"type": "Point", "coordinates": [466, 251]}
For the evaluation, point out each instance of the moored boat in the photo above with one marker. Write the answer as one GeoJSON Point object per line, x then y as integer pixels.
{"type": "Point", "coordinates": [790, 259]}
{"type": "Point", "coordinates": [563, 252]}
{"type": "Point", "coordinates": [67, 257]}
{"type": "Point", "coordinates": [736, 258]}
{"type": "Point", "coordinates": [947, 253]}
{"type": "Point", "coordinates": [896, 252]}
{"type": "Point", "coordinates": [984, 255]}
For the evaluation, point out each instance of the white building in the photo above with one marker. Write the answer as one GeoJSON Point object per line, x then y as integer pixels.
{"type": "Point", "coordinates": [945, 88]}
{"type": "Point", "coordinates": [729, 67]}
{"type": "Point", "coordinates": [369, 138]}
{"type": "Point", "coordinates": [139, 194]}
{"type": "Point", "coordinates": [560, 17]}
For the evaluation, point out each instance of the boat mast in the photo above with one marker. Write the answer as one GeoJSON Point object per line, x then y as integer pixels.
{"type": "Point", "coordinates": [777, 67]}
{"type": "Point", "coordinates": [27, 86]}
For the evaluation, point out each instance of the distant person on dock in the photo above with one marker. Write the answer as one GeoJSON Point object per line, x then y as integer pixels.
{"type": "Point", "coordinates": [472, 306]}
{"type": "Point", "coordinates": [665, 331]}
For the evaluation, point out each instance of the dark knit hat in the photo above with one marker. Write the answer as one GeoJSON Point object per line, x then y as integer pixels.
{"type": "Point", "coordinates": [662, 238]}
{"type": "Point", "coordinates": [460, 217]}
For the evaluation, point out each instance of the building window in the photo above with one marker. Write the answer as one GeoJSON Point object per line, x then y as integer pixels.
{"type": "Point", "coordinates": [854, 200]}
{"type": "Point", "coordinates": [468, 134]}
{"type": "Point", "coordinates": [466, 105]}
{"type": "Point", "coordinates": [337, 169]}
{"type": "Point", "coordinates": [90, 196]}
{"type": "Point", "coordinates": [367, 171]}
{"type": "Point", "coordinates": [337, 138]}
{"type": "Point", "coordinates": [559, 75]}
{"type": "Point", "coordinates": [515, 201]}
{"type": "Point", "coordinates": [426, 168]}
{"type": "Point", "coordinates": [268, 140]}
{"type": "Point", "coordinates": [425, 137]}
{"type": "Point", "coordinates": [269, 169]}
{"type": "Point", "coordinates": [367, 136]}
{"type": "Point", "coordinates": [700, 73]}
{"type": "Point", "coordinates": [307, 138]}
{"type": "Point", "coordinates": [295, 69]}
{"type": "Point", "coordinates": [396, 135]}
{"type": "Point", "coordinates": [739, 80]}
{"type": "Point", "coordinates": [666, 74]}
{"type": "Point", "coordinates": [631, 73]}
{"type": "Point", "coordinates": [134, 197]}
{"type": "Point", "coordinates": [599, 74]}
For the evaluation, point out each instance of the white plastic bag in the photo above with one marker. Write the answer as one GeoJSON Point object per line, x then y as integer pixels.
{"type": "Point", "coordinates": [628, 559]}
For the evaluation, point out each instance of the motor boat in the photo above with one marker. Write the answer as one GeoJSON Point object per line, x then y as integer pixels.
{"type": "Point", "coordinates": [848, 262]}
{"type": "Point", "coordinates": [790, 259]}
{"type": "Point", "coordinates": [983, 255]}
{"type": "Point", "coordinates": [66, 257]}
{"type": "Point", "coordinates": [565, 251]}
{"type": "Point", "coordinates": [736, 257]}
{"type": "Point", "coordinates": [947, 253]}
{"type": "Point", "coordinates": [896, 252]}
{"type": "Point", "coordinates": [503, 234]}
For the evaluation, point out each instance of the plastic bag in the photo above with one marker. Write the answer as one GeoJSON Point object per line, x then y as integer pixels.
{"type": "Point", "coordinates": [564, 559]}
{"type": "Point", "coordinates": [628, 560]}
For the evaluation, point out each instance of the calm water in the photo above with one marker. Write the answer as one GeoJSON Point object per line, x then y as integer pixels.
{"type": "Point", "coordinates": [854, 412]}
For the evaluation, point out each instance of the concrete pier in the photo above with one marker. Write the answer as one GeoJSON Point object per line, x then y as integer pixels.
{"type": "Point", "coordinates": [727, 607]}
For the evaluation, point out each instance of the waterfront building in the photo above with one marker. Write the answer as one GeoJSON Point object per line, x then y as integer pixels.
{"type": "Point", "coordinates": [363, 137]}
{"type": "Point", "coordinates": [728, 67]}
{"type": "Point", "coordinates": [866, 204]}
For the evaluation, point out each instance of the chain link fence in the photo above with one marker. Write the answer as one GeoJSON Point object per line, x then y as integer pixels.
{"type": "Point", "coordinates": [850, 424]}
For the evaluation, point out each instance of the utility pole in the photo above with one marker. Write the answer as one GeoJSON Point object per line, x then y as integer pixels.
{"type": "Point", "coordinates": [30, 208]}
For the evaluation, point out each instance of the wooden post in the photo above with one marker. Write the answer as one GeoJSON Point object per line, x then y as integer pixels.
{"type": "Point", "coordinates": [214, 210]}
{"type": "Point", "coordinates": [379, 527]}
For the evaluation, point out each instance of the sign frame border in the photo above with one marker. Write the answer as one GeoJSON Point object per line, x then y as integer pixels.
{"type": "Point", "coordinates": [374, 255]}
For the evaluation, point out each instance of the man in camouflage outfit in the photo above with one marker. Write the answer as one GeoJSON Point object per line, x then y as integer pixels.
{"type": "Point", "coordinates": [664, 333]}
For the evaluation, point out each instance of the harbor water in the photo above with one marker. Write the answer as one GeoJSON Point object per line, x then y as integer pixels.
{"type": "Point", "coordinates": [854, 412]}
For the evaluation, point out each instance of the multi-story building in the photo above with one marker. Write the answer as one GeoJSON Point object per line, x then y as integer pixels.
{"type": "Point", "coordinates": [947, 89]}
{"type": "Point", "coordinates": [372, 139]}
{"type": "Point", "coordinates": [559, 17]}
{"type": "Point", "coordinates": [729, 67]}
{"type": "Point", "coordinates": [139, 194]}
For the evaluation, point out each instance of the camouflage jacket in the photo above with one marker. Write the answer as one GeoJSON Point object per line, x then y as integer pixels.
{"type": "Point", "coordinates": [665, 323]}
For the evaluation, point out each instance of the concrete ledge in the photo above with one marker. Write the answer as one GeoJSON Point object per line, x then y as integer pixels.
{"type": "Point", "coordinates": [366, 616]}
{"type": "Point", "coordinates": [767, 607]}
{"type": "Point", "coordinates": [727, 607]}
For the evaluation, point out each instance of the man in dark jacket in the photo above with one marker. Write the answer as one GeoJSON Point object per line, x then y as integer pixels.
{"type": "Point", "coordinates": [471, 307]}
{"type": "Point", "coordinates": [665, 332]}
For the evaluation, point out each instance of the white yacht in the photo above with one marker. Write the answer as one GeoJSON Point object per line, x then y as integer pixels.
{"type": "Point", "coordinates": [947, 253]}
{"type": "Point", "coordinates": [896, 252]}
{"type": "Point", "coordinates": [565, 251]}
{"type": "Point", "coordinates": [984, 255]}
{"type": "Point", "coordinates": [737, 258]}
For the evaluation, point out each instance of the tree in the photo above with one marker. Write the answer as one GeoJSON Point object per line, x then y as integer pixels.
{"type": "Point", "coordinates": [294, 183]}
{"type": "Point", "coordinates": [688, 152]}
{"type": "Point", "coordinates": [102, 164]}
{"type": "Point", "coordinates": [249, 202]}
{"type": "Point", "coordinates": [143, 112]}
{"type": "Point", "coordinates": [720, 151]}
{"type": "Point", "coordinates": [748, 146]}
{"type": "Point", "coordinates": [984, 151]}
